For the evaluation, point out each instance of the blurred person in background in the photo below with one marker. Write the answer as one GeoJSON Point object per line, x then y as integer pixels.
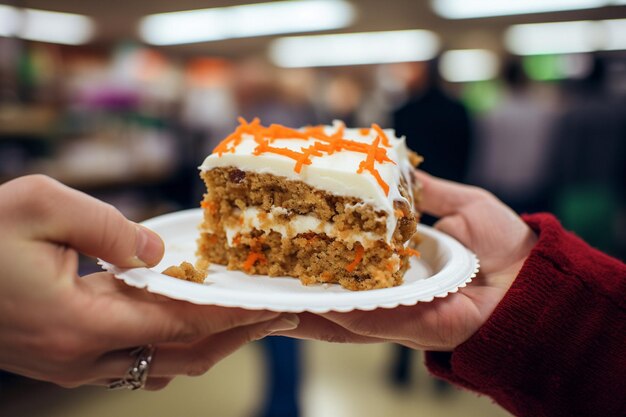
{"type": "Point", "coordinates": [260, 92]}
{"type": "Point", "coordinates": [439, 127]}
{"type": "Point", "coordinates": [435, 124]}
{"type": "Point", "coordinates": [589, 161]}
{"type": "Point", "coordinates": [511, 157]}
{"type": "Point", "coordinates": [340, 99]}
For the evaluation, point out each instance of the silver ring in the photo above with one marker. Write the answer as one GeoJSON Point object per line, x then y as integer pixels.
{"type": "Point", "coordinates": [137, 374]}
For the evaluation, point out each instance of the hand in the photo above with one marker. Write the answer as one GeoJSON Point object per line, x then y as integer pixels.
{"type": "Point", "coordinates": [481, 222]}
{"type": "Point", "coordinates": [57, 327]}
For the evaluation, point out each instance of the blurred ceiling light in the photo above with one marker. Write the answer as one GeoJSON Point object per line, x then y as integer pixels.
{"type": "Point", "coordinates": [45, 26]}
{"type": "Point", "coordinates": [467, 65]}
{"type": "Point", "coordinates": [552, 38]}
{"type": "Point", "coordinates": [55, 27]}
{"type": "Point", "coordinates": [614, 34]}
{"type": "Point", "coordinates": [9, 19]}
{"type": "Point", "coordinates": [566, 37]}
{"type": "Point", "coordinates": [354, 48]}
{"type": "Point", "coordinates": [467, 9]}
{"type": "Point", "coordinates": [245, 21]}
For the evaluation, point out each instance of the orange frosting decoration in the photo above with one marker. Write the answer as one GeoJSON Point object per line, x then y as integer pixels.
{"type": "Point", "coordinates": [322, 145]}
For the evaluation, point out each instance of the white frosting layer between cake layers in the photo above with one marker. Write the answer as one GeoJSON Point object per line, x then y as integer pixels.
{"type": "Point", "coordinates": [335, 173]}
{"type": "Point", "coordinates": [255, 218]}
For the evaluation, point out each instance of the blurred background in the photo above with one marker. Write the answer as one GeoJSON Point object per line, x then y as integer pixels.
{"type": "Point", "coordinates": [123, 100]}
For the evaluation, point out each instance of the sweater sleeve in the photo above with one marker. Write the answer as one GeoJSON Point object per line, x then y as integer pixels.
{"type": "Point", "coordinates": [556, 343]}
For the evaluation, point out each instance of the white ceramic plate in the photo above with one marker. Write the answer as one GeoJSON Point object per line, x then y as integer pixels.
{"type": "Point", "coordinates": [444, 267]}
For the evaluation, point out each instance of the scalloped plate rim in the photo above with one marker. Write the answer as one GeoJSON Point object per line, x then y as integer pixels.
{"type": "Point", "coordinates": [388, 298]}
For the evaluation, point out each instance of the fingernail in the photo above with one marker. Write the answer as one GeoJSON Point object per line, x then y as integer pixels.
{"type": "Point", "coordinates": [284, 323]}
{"type": "Point", "coordinates": [149, 248]}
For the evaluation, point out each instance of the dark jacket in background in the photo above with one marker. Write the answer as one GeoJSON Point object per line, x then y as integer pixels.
{"type": "Point", "coordinates": [437, 127]}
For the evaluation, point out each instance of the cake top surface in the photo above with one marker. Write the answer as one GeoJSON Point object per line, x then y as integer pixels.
{"type": "Point", "coordinates": [367, 163]}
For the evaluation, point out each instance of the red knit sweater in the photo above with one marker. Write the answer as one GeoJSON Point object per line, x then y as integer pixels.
{"type": "Point", "coordinates": [556, 343]}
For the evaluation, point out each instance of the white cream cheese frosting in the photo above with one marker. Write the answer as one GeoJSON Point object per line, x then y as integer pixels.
{"type": "Point", "coordinates": [336, 173]}
{"type": "Point", "coordinates": [254, 218]}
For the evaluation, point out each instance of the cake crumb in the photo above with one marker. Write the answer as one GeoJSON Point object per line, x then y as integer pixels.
{"type": "Point", "coordinates": [186, 272]}
{"type": "Point", "coordinates": [414, 158]}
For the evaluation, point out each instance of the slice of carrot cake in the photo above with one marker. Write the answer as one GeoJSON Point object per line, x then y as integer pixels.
{"type": "Point", "coordinates": [325, 204]}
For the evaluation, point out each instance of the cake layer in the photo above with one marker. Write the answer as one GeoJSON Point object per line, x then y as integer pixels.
{"type": "Point", "coordinates": [230, 189]}
{"type": "Point", "coordinates": [313, 258]}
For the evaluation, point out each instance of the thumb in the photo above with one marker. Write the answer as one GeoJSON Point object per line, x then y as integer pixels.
{"type": "Point", "coordinates": [92, 227]}
{"type": "Point", "coordinates": [457, 227]}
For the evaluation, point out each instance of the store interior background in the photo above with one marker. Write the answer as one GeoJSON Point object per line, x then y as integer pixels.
{"type": "Point", "coordinates": [127, 121]}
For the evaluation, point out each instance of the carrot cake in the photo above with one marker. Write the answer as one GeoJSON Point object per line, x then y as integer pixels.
{"type": "Point", "coordinates": [325, 204]}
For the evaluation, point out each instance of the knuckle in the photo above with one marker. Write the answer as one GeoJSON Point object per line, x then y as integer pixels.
{"type": "Point", "coordinates": [36, 182]}
{"type": "Point", "coordinates": [184, 331]}
{"type": "Point", "coordinates": [482, 194]}
{"type": "Point", "coordinates": [256, 334]}
{"type": "Point", "coordinates": [33, 193]}
{"type": "Point", "coordinates": [111, 236]}
{"type": "Point", "coordinates": [449, 223]}
{"type": "Point", "coordinates": [362, 325]}
{"type": "Point", "coordinates": [223, 320]}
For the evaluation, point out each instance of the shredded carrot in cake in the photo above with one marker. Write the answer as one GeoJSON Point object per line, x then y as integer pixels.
{"type": "Point", "coordinates": [209, 205]}
{"type": "Point", "coordinates": [323, 144]}
{"type": "Point", "coordinates": [410, 252]}
{"type": "Point", "coordinates": [253, 257]}
{"type": "Point", "coordinates": [358, 256]}
{"type": "Point", "coordinates": [399, 213]}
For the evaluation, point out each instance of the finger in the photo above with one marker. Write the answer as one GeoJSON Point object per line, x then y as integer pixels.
{"type": "Point", "coordinates": [122, 318]}
{"type": "Point", "coordinates": [314, 327]}
{"type": "Point", "coordinates": [67, 216]}
{"type": "Point", "coordinates": [456, 226]}
{"type": "Point", "coordinates": [423, 324]}
{"type": "Point", "coordinates": [372, 324]}
{"type": "Point", "coordinates": [190, 359]}
{"type": "Point", "coordinates": [441, 197]}
{"type": "Point", "coordinates": [156, 384]}
{"type": "Point", "coordinates": [176, 321]}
